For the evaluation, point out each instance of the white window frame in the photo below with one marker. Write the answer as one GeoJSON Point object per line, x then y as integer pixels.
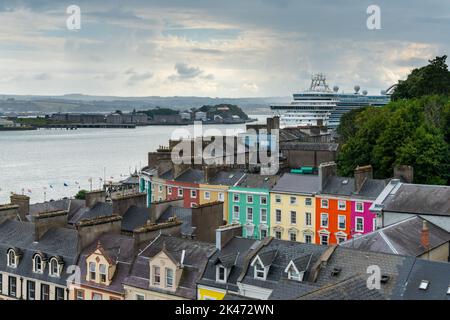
{"type": "Point", "coordinates": [265, 236]}
{"type": "Point", "coordinates": [154, 274]}
{"type": "Point", "coordinates": [310, 202]}
{"type": "Point", "coordinates": [221, 196]}
{"type": "Point", "coordinates": [171, 284]}
{"type": "Point", "coordinates": [51, 265]}
{"type": "Point", "coordinates": [321, 220]}
{"type": "Point", "coordinates": [374, 224]}
{"type": "Point", "coordinates": [277, 198]}
{"type": "Point", "coordinates": [258, 269]}
{"type": "Point", "coordinates": [12, 258]}
{"type": "Point", "coordinates": [261, 215]}
{"type": "Point", "coordinates": [339, 222]}
{"type": "Point", "coordinates": [276, 215]}
{"type": "Point", "coordinates": [261, 200]}
{"type": "Point", "coordinates": [207, 195]}
{"type": "Point", "coordinates": [328, 239]}
{"type": "Point", "coordinates": [35, 264]}
{"type": "Point", "coordinates": [218, 269]}
{"type": "Point", "coordinates": [160, 188]}
{"type": "Point", "coordinates": [90, 271]}
{"type": "Point", "coordinates": [362, 206]}
{"type": "Point", "coordinates": [180, 192]}
{"type": "Point", "coordinates": [169, 190]}
{"type": "Point", "coordinates": [322, 201]}
{"type": "Point", "coordinates": [294, 275]}
{"type": "Point", "coordinates": [292, 200]}
{"type": "Point", "coordinates": [342, 205]}
{"type": "Point", "coordinates": [140, 296]}
{"type": "Point", "coordinates": [251, 197]}
{"type": "Point", "coordinates": [236, 197]}
{"type": "Point", "coordinates": [104, 274]}
{"type": "Point", "coordinates": [276, 234]}
{"type": "Point", "coordinates": [193, 194]}
{"type": "Point", "coordinates": [339, 238]}
{"type": "Point", "coordinates": [308, 219]}
{"type": "Point", "coordinates": [247, 211]}
{"type": "Point", "coordinates": [356, 224]}
{"type": "Point", "coordinates": [307, 235]}
{"type": "Point", "coordinates": [236, 213]}
{"type": "Point", "coordinates": [291, 233]}
{"type": "Point", "coordinates": [293, 214]}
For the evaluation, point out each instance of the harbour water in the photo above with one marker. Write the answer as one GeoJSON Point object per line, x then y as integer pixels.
{"type": "Point", "coordinates": [52, 164]}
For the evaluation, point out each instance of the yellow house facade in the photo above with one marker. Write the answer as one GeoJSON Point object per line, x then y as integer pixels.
{"type": "Point", "coordinates": [213, 193]}
{"type": "Point", "coordinates": [210, 293]}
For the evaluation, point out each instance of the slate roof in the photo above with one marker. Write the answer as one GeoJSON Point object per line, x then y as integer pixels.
{"type": "Point", "coordinates": [183, 214]}
{"type": "Point", "coordinates": [419, 199]}
{"type": "Point", "coordinates": [196, 257]}
{"type": "Point", "coordinates": [277, 280]}
{"type": "Point", "coordinates": [258, 181]}
{"type": "Point", "coordinates": [74, 207]}
{"type": "Point", "coordinates": [100, 209]}
{"type": "Point", "coordinates": [135, 217]}
{"type": "Point", "coordinates": [241, 246]}
{"type": "Point", "coordinates": [309, 146]}
{"type": "Point", "coordinates": [297, 183]}
{"type": "Point", "coordinates": [438, 276]}
{"type": "Point", "coordinates": [120, 249]}
{"type": "Point", "coordinates": [226, 178]}
{"type": "Point", "coordinates": [192, 176]}
{"type": "Point", "coordinates": [403, 238]}
{"type": "Point", "coordinates": [227, 260]}
{"type": "Point", "coordinates": [345, 186]}
{"type": "Point", "coordinates": [55, 242]}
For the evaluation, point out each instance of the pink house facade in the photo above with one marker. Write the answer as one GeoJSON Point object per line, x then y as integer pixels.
{"type": "Point", "coordinates": [362, 219]}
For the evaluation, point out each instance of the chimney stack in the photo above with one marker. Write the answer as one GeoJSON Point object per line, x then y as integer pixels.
{"type": "Point", "coordinates": [404, 173]}
{"type": "Point", "coordinates": [93, 197]}
{"type": "Point", "coordinates": [24, 204]}
{"type": "Point", "coordinates": [326, 170]}
{"type": "Point", "coordinates": [425, 237]}
{"type": "Point", "coordinates": [361, 175]}
{"type": "Point", "coordinates": [226, 233]}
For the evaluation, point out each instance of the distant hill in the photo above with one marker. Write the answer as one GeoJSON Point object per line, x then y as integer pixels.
{"type": "Point", "coordinates": [87, 103]}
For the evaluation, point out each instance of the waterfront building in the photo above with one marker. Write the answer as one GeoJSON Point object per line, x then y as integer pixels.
{"type": "Point", "coordinates": [185, 185]}
{"type": "Point", "coordinates": [292, 207]}
{"type": "Point", "coordinates": [249, 204]}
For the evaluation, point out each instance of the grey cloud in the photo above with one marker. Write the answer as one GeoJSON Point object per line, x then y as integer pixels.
{"type": "Point", "coordinates": [42, 76]}
{"type": "Point", "coordinates": [184, 71]}
{"type": "Point", "coordinates": [136, 77]}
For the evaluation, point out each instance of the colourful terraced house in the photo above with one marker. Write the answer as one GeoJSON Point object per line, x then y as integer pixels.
{"type": "Point", "coordinates": [342, 205]}
{"type": "Point", "coordinates": [249, 204]}
{"type": "Point", "coordinates": [292, 207]}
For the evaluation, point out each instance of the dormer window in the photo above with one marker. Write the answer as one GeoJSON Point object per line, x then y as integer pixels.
{"type": "Point", "coordinates": [424, 285]}
{"type": "Point", "coordinates": [294, 275]}
{"type": "Point", "coordinates": [169, 277]}
{"type": "Point", "coordinates": [103, 273]}
{"type": "Point", "coordinates": [12, 259]}
{"type": "Point", "coordinates": [260, 271]}
{"type": "Point", "coordinates": [38, 264]}
{"type": "Point", "coordinates": [55, 267]}
{"type": "Point", "coordinates": [221, 274]}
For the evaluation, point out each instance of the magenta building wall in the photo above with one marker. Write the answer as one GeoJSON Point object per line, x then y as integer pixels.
{"type": "Point", "coordinates": [366, 214]}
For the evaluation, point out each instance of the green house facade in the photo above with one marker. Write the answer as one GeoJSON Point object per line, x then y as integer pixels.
{"type": "Point", "coordinates": [249, 205]}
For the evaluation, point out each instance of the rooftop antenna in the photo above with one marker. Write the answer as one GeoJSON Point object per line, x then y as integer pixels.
{"type": "Point", "coordinates": [319, 83]}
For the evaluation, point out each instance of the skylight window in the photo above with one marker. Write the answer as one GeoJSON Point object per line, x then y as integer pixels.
{"type": "Point", "coordinates": [424, 285]}
{"type": "Point", "coordinates": [448, 290]}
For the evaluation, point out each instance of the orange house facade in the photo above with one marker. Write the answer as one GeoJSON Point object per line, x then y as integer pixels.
{"type": "Point", "coordinates": [333, 220]}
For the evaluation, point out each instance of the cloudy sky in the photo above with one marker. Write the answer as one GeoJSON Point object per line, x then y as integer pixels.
{"type": "Point", "coordinates": [232, 48]}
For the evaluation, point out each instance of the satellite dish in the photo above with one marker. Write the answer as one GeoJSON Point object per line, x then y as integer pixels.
{"type": "Point", "coordinates": [383, 92]}
{"type": "Point", "coordinates": [364, 92]}
{"type": "Point", "coordinates": [335, 88]}
{"type": "Point", "coordinates": [357, 88]}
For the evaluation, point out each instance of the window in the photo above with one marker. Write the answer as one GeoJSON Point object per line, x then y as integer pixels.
{"type": "Point", "coordinates": [102, 272]}
{"type": "Point", "coordinates": [54, 267]}
{"type": "Point", "coordinates": [277, 199]}
{"type": "Point", "coordinates": [375, 224]}
{"type": "Point", "coordinates": [79, 294]}
{"type": "Point", "coordinates": [31, 290]}
{"type": "Point", "coordinates": [324, 203]}
{"type": "Point", "coordinates": [59, 293]}
{"type": "Point", "coordinates": [263, 200]}
{"type": "Point", "coordinates": [278, 234]}
{"type": "Point", "coordinates": [448, 290]}
{"type": "Point", "coordinates": [263, 233]}
{"type": "Point", "coordinates": [193, 194]}
{"type": "Point", "coordinates": [180, 192]}
{"type": "Point", "coordinates": [341, 222]}
{"type": "Point", "coordinates": [359, 225]}
{"type": "Point", "coordinates": [235, 212]}
{"type": "Point", "coordinates": [293, 200]}
{"type": "Point", "coordinates": [92, 271]}
{"type": "Point", "coordinates": [169, 278]}
{"type": "Point", "coordinates": [45, 292]}
{"type": "Point", "coordinates": [250, 199]}
{"type": "Point", "coordinates": [221, 196]}
{"type": "Point", "coordinates": [169, 190]}
{"type": "Point", "coordinates": [12, 259]}
{"type": "Point", "coordinates": [159, 199]}
{"type": "Point", "coordinates": [263, 215]}
{"type": "Point", "coordinates": [359, 207]}
{"type": "Point", "coordinates": [260, 272]}
{"type": "Point", "coordinates": [12, 286]}
{"type": "Point", "coordinates": [342, 205]}
{"type": "Point", "coordinates": [221, 274]}
{"type": "Point", "coordinates": [278, 215]}
{"type": "Point", "coordinates": [37, 264]}
{"type": "Point", "coordinates": [324, 220]}
{"type": "Point", "coordinates": [324, 239]}
{"type": "Point", "coordinates": [193, 204]}
{"type": "Point", "coordinates": [156, 275]}
{"type": "Point", "coordinates": [140, 296]}
{"type": "Point", "coordinates": [308, 218]}
{"type": "Point", "coordinates": [308, 201]}
{"type": "Point", "coordinates": [160, 188]}
{"type": "Point", "coordinates": [250, 213]}
{"type": "Point", "coordinates": [423, 285]}
{"type": "Point", "coordinates": [235, 197]}
{"type": "Point", "coordinates": [97, 296]}
{"type": "Point", "coordinates": [308, 238]}
{"type": "Point", "coordinates": [293, 217]}
{"type": "Point", "coordinates": [207, 195]}
{"type": "Point", "coordinates": [292, 236]}
{"type": "Point", "coordinates": [340, 239]}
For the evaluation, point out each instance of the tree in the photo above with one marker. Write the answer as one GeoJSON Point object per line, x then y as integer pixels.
{"type": "Point", "coordinates": [347, 126]}
{"type": "Point", "coordinates": [428, 80]}
{"type": "Point", "coordinates": [81, 195]}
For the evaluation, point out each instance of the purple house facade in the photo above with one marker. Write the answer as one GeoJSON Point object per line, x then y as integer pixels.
{"type": "Point", "coordinates": [362, 219]}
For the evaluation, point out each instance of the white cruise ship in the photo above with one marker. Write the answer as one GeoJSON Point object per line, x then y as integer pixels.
{"type": "Point", "coordinates": [319, 105]}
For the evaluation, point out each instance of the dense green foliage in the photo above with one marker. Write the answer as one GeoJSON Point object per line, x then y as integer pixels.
{"type": "Point", "coordinates": [81, 195]}
{"type": "Point", "coordinates": [429, 80]}
{"type": "Point", "coordinates": [224, 110]}
{"type": "Point", "coordinates": [413, 130]}
{"type": "Point", "coordinates": [160, 111]}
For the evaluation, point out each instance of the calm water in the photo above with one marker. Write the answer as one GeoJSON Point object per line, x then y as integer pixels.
{"type": "Point", "coordinates": [33, 160]}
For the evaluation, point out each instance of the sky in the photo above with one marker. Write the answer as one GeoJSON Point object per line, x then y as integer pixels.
{"type": "Point", "coordinates": [214, 48]}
